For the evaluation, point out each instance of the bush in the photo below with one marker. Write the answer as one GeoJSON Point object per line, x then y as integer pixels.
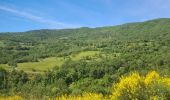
{"type": "Point", "coordinates": [85, 96]}
{"type": "Point", "coordinates": [136, 87]}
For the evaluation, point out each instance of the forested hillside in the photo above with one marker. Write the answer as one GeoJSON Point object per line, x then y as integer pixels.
{"type": "Point", "coordinates": [50, 63]}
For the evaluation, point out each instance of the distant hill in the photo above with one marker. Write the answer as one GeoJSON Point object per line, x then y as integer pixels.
{"type": "Point", "coordinates": [138, 28]}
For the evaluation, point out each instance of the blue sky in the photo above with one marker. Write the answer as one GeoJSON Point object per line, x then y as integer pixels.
{"type": "Point", "coordinates": [23, 15]}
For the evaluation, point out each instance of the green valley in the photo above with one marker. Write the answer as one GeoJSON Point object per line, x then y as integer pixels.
{"type": "Point", "coordinates": [76, 61]}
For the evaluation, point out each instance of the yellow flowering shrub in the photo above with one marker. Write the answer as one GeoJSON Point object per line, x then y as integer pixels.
{"type": "Point", "coordinates": [136, 87]}
{"type": "Point", "coordinates": [166, 81]}
{"type": "Point", "coordinates": [11, 98]}
{"type": "Point", "coordinates": [151, 77]}
{"type": "Point", "coordinates": [85, 96]}
{"type": "Point", "coordinates": [126, 84]}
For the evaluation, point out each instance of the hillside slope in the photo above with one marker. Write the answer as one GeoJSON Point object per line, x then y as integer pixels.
{"type": "Point", "coordinates": [80, 60]}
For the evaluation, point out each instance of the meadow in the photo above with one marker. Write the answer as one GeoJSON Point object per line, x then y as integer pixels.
{"type": "Point", "coordinates": [40, 66]}
{"type": "Point", "coordinates": [81, 55]}
{"type": "Point", "coordinates": [50, 62]}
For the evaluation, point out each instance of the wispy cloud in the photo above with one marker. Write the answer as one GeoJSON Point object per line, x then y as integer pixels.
{"type": "Point", "coordinates": [39, 19]}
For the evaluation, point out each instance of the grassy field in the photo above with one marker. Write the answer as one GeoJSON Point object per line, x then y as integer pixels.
{"type": "Point", "coordinates": [49, 63]}
{"type": "Point", "coordinates": [40, 66]}
{"type": "Point", "coordinates": [83, 54]}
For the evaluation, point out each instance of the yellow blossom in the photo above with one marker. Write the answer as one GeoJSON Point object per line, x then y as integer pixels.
{"type": "Point", "coordinates": [151, 77]}
{"type": "Point", "coordinates": [153, 98]}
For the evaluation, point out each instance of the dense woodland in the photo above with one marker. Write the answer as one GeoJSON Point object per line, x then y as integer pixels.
{"type": "Point", "coordinates": [141, 47]}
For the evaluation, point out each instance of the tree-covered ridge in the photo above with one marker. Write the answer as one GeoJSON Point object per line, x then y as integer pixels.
{"type": "Point", "coordinates": [43, 43]}
{"type": "Point", "coordinates": [81, 60]}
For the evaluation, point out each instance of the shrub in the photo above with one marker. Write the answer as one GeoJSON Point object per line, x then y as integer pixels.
{"type": "Point", "coordinates": [11, 98]}
{"type": "Point", "coordinates": [85, 96]}
{"type": "Point", "coordinates": [136, 87]}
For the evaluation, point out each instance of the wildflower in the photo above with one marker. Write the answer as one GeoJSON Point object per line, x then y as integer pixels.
{"type": "Point", "coordinates": [151, 77]}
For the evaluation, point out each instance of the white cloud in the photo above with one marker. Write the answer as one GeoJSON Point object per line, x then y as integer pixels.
{"type": "Point", "coordinates": [39, 19]}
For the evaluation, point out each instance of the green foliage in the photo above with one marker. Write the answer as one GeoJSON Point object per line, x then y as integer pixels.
{"type": "Point", "coordinates": [73, 61]}
{"type": "Point", "coordinates": [3, 77]}
{"type": "Point", "coordinates": [12, 64]}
